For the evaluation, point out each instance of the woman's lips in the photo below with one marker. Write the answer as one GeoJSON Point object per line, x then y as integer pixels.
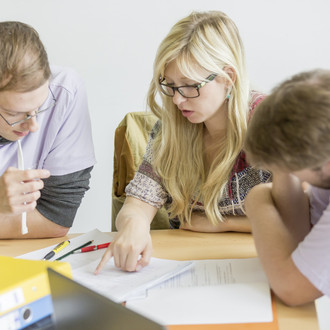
{"type": "Point", "coordinates": [186, 113]}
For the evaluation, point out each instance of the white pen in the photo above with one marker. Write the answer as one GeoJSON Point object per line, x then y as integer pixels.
{"type": "Point", "coordinates": [20, 161]}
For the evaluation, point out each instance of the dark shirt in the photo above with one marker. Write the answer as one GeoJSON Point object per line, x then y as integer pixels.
{"type": "Point", "coordinates": [62, 194]}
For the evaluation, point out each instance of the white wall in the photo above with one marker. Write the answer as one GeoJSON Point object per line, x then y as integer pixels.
{"type": "Point", "coordinates": [112, 45]}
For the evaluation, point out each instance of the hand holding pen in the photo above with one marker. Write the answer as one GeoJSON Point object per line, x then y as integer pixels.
{"type": "Point", "coordinates": [20, 189]}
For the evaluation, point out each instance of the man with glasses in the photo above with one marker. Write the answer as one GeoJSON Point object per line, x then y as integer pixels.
{"type": "Point", "coordinates": [46, 148]}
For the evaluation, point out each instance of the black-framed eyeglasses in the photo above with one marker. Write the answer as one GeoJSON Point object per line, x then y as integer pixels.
{"type": "Point", "coordinates": [186, 91]}
{"type": "Point", "coordinates": [25, 117]}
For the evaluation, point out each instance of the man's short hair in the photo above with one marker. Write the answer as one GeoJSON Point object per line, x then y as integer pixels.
{"type": "Point", "coordinates": [23, 60]}
{"type": "Point", "coordinates": [291, 127]}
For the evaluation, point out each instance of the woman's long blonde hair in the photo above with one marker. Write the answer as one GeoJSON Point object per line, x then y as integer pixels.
{"type": "Point", "coordinates": [211, 40]}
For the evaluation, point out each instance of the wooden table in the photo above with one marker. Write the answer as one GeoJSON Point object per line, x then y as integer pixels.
{"type": "Point", "coordinates": [185, 245]}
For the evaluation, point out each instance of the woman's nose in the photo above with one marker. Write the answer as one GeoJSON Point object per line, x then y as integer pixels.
{"type": "Point", "coordinates": [178, 98]}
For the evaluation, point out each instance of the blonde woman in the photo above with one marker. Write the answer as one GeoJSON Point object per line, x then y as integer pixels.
{"type": "Point", "coordinates": [194, 164]}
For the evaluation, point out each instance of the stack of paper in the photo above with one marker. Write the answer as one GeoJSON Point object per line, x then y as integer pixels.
{"type": "Point", "coordinates": [205, 292]}
{"type": "Point", "coordinates": [112, 282]}
{"type": "Point", "coordinates": [211, 292]}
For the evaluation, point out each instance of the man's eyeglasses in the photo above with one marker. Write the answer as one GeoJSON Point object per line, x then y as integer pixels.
{"type": "Point", "coordinates": [186, 91]}
{"type": "Point", "coordinates": [20, 118]}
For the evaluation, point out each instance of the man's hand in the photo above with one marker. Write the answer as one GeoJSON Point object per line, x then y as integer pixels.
{"type": "Point", "coordinates": [20, 189]}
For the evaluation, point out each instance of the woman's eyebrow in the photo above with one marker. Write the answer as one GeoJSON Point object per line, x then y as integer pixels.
{"type": "Point", "coordinates": [184, 80]}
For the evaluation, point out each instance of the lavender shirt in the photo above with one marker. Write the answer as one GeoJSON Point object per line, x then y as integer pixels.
{"type": "Point", "coordinates": [63, 145]}
{"type": "Point", "coordinates": [312, 256]}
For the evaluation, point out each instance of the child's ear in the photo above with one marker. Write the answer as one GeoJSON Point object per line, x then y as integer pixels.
{"type": "Point", "coordinates": [326, 168]}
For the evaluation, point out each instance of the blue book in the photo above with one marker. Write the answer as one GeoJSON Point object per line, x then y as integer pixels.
{"type": "Point", "coordinates": [28, 314]}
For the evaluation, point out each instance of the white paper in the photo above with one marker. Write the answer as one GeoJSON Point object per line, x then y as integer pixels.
{"type": "Point", "coordinates": [219, 272]}
{"type": "Point", "coordinates": [211, 292]}
{"type": "Point", "coordinates": [119, 285]}
{"type": "Point", "coordinates": [112, 282]}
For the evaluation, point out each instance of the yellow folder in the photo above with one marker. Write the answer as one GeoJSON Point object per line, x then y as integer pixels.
{"type": "Point", "coordinates": [24, 281]}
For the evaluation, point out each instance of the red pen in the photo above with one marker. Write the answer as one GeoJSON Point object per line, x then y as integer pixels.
{"type": "Point", "coordinates": [93, 248]}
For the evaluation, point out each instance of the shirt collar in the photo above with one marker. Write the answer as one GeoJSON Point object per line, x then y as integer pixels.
{"type": "Point", "coordinates": [4, 141]}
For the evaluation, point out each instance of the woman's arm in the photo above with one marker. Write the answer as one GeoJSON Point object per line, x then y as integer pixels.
{"type": "Point", "coordinates": [133, 238]}
{"type": "Point", "coordinates": [200, 223]}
